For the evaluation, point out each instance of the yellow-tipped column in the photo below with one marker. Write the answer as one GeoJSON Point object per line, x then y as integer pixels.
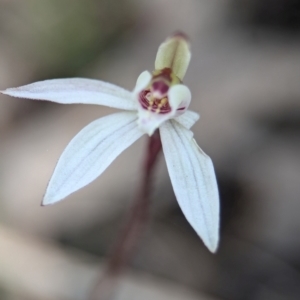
{"type": "Point", "coordinates": [175, 54]}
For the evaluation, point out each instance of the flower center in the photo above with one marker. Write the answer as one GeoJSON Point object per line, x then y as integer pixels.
{"type": "Point", "coordinates": [155, 97]}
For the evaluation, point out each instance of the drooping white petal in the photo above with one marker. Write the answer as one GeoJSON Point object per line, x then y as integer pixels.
{"type": "Point", "coordinates": [90, 152]}
{"type": "Point", "coordinates": [194, 181]}
{"type": "Point", "coordinates": [179, 98]}
{"type": "Point", "coordinates": [188, 119]}
{"type": "Point", "coordinates": [76, 90]}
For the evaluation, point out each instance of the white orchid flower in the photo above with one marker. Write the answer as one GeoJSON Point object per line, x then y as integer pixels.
{"type": "Point", "coordinates": [158, 101]}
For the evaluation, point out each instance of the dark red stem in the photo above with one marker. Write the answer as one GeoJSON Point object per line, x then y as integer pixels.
{"type": "Point", "coordinates": [139, 212]}
{"type": "Point", "coordinates": [133, 228]}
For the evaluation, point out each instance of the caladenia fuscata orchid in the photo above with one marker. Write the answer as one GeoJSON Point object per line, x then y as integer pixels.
{"type": "Point", "coordinates": [159, 101]}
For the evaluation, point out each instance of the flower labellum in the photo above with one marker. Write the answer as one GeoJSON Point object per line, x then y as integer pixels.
{"type": "Point", "coordinates": [159, 101]}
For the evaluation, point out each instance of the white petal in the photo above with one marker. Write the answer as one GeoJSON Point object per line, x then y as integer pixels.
{"type": "Point", "coordinates": [149, 121]}
{"type": "Point", "coordinates": [76, 90]}
{"type": "Point", "coordinates": [194, 181]}
{"type": "Point", "coordinates": [90, 152]}
{"type": "Point", "coordinates": [142, 82]}
{"type": "Point", "coordinates": [179, 97]}
{"type": "Point", "coordinates": [188, 119]}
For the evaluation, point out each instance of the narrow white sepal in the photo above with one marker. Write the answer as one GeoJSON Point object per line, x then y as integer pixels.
{"type": "Point", "coordinates": [76, 90]}
{"type": "Point", "coordinates": [188, 119]}
{"type": "Point", "coordinates": [90, 152]}
{"type": "Point", "coordinates": [194, 181]}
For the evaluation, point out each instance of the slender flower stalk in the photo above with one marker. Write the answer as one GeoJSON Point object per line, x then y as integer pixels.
{"type": "Point", "coordinates": [139, 213]}
{"type": "Point", "coordinates": [159, 101]}
{"type": "Point", "coordinates": [138, 216]}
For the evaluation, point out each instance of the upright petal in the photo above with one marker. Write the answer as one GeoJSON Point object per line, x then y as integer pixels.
{"type": "Point", "coordinates": [179, 98]}
{"type": "Point", "coordinates": [76, 90]}
{"type": "Point", "coordinates": [194, 181]}
{"type": "Point", "coordinates": [141, 83]}
{"type": "Point", "coordinates": [175, 54]}
{"type": "Point", "coordinates": [90, 152]}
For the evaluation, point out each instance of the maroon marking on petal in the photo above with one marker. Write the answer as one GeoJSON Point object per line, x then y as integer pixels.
{"type": "Point", "coordinates": [143, 100]}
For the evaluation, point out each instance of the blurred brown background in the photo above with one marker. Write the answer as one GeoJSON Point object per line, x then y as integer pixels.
{"type": "Point", "coordinates": [244, 78]}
